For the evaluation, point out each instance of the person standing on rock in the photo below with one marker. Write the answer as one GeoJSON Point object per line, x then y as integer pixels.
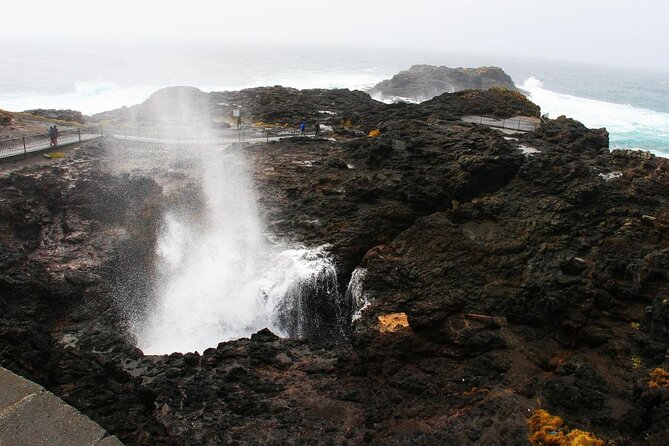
{"type": "Point", "coordinates": [317, 128]}
{"type": "Point", "coordinates": [51, 136]}
{"type": "Point", "coordinates": [56, 134]}
{"type": "Point", "coordinates": [303, 127]}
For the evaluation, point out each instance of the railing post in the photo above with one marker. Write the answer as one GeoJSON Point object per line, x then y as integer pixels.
{"type": "Point", "coordinates": [25, 152]}
{"type": "Point", "coordinates": [504, 123]}
{"type": "Point", "coordinates": [79, 133]}
{"type": "Point", "coordinates": [100, 129]}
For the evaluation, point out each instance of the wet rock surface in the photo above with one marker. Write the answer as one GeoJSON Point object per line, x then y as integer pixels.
{"type": "Point", "coordinates": [527, 281]}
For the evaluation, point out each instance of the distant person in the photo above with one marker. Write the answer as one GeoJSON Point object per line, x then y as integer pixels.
{"type": "Point", "coordinates": [56, 134]}
{"type": "Point", "coordinates": [51, 136]}
{"type": "Point", "coordinates": [303, 127]}
{"type": "Point", "coordinates": [317, 129]}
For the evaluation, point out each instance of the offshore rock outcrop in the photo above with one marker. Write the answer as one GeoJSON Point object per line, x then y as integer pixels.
{"type": "Point", "coordinates": [527, 281]}
{"type": "Point", "coordinates": [423, 82]}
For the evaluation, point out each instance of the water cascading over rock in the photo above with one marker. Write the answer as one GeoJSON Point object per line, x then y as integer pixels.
{"type": "Point", "coordinates": [220, 276]}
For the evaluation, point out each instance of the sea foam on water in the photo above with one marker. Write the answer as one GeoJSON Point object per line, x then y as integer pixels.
{"type": "Point", "coordinates": [627, 124]}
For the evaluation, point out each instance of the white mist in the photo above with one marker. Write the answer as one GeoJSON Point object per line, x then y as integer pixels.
{"type": "Point", "coordinates": [218, 276]}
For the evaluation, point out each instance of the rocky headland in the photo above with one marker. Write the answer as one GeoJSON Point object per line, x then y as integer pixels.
{"type": "Point", "coordinates": [36, 122]}
{"type": "Point", "coordinates": [483, 278]}
{"type": "Point", "coordinates": [422, 82]}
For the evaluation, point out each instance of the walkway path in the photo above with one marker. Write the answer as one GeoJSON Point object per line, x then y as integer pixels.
{"type": "Point", "coordinates": [14, 147]}
{"type": "Point", "coordinates": [513, 125]}
{"type": "Point", "coordinates": [30, 416]}
{"type": "Point", "coordinates": [254, 136]}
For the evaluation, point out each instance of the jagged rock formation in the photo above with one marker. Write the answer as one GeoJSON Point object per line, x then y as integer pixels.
{"type": "Point", "coordinates": [422, 82]}
{"type": "Point", "coordinates": [277, 106]}
{"type": "Point", "coordinates": [522, 281]}
{"type": "Point", "coordinates": [6, 118]}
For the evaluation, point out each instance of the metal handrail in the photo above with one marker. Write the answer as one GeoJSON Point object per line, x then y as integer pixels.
{"type": "Point", "coordinates": [23, 145]}
{"type": "Point", "coordinates": [517, 124]}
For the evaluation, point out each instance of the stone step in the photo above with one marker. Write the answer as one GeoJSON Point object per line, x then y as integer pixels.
{"type": "Point", "coordinates": [32, 416]}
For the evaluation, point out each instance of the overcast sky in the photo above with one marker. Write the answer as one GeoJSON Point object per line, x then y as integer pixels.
{"type": "Point", "coordinates": [617, 32]}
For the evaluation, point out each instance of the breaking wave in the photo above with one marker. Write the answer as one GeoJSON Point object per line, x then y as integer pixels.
{"type": "Point", "coordinates": [629, 127]}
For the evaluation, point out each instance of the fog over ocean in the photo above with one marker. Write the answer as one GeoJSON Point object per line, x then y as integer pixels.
{"type": "Point", "coordinates": [632, 104]}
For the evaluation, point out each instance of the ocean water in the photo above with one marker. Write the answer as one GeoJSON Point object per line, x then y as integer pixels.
{"type": "Point", "coordinates": [633, 104]}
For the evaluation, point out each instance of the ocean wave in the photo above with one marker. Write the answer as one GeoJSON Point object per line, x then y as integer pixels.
{"type": "Point", "coordinates": [87, 97]}
{"type": "Point", "coordinates": [99, 96]}
{"type": "Point", "coordinates": [629, 127]}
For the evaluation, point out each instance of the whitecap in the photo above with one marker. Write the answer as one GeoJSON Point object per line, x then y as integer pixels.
{"type": "Point", "coordinates": [629, 126]}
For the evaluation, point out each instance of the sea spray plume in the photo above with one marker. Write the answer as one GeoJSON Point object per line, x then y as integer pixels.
{"type": "Point", "coordinates": [218, 274]}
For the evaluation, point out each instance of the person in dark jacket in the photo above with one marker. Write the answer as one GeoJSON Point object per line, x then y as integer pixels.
{"type": "Point", "coordinates": [56, 134]}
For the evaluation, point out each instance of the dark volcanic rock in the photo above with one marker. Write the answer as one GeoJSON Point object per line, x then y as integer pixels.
{"type": "Point", "coordinates": [527, 281]}
{"type": "Point", "coordinates": [422, 82]}
{"type": "Point", "coordinates": [69, 231]}
{"type": "Point", "coordinates": [350, 113]}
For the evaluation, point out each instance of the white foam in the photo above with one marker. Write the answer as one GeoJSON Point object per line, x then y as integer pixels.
{"type": "Point", "coordinates": [220, 278]}
{"type": "Point", "coordinates": [395, 99]}
{"type": "Point", "coordinates": [355, 293]}
{"type": "Point", "coordinates": [307, 163]}
{"type": "Point", "coordinates": [626, 124]}
{"type": "Point", "coordinates": [87, 97]}
{"type": "Point", "coordinates": [610, 176]}
{"type": "Point", "coordinates": [527, 150]}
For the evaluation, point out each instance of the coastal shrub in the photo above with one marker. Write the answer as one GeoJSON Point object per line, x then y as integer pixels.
{"type": "Point", "coordinates": [550, 430]}
{"type": "Point", "coordinates": [263, 124]}
{"type": "Point", "coordinates": [578, 437]}
{"type": "Point", "coordinates": [346, 123]}
{"type": "Point", "coordinates": [374, 133]}
{"type": "Point", "coordinates": [659, 379]}
{"type": "Point", "coordinates": [6, 117]}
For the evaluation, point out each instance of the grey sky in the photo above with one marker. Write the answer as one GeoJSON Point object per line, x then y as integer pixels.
{"type": "Point", "coordinates": [619, 32]}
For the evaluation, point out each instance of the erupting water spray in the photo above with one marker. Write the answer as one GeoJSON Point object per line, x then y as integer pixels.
{"type": "Point", "coordinates": [218, 274]}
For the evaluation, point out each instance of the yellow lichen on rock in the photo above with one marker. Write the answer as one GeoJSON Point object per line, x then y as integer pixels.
{"type": "Point", "coordinates": [578, 437]}
{"type": "Point", "coordinates": [549, 430]}
{"type": "Point", "coordinates": [659, 379]}
{"type": "Point", "coordinates": [374, 133]}
{"type": "Point", "coordinates": [390, 323]}
{"type": "Point", "coordinates": [545, 429]}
